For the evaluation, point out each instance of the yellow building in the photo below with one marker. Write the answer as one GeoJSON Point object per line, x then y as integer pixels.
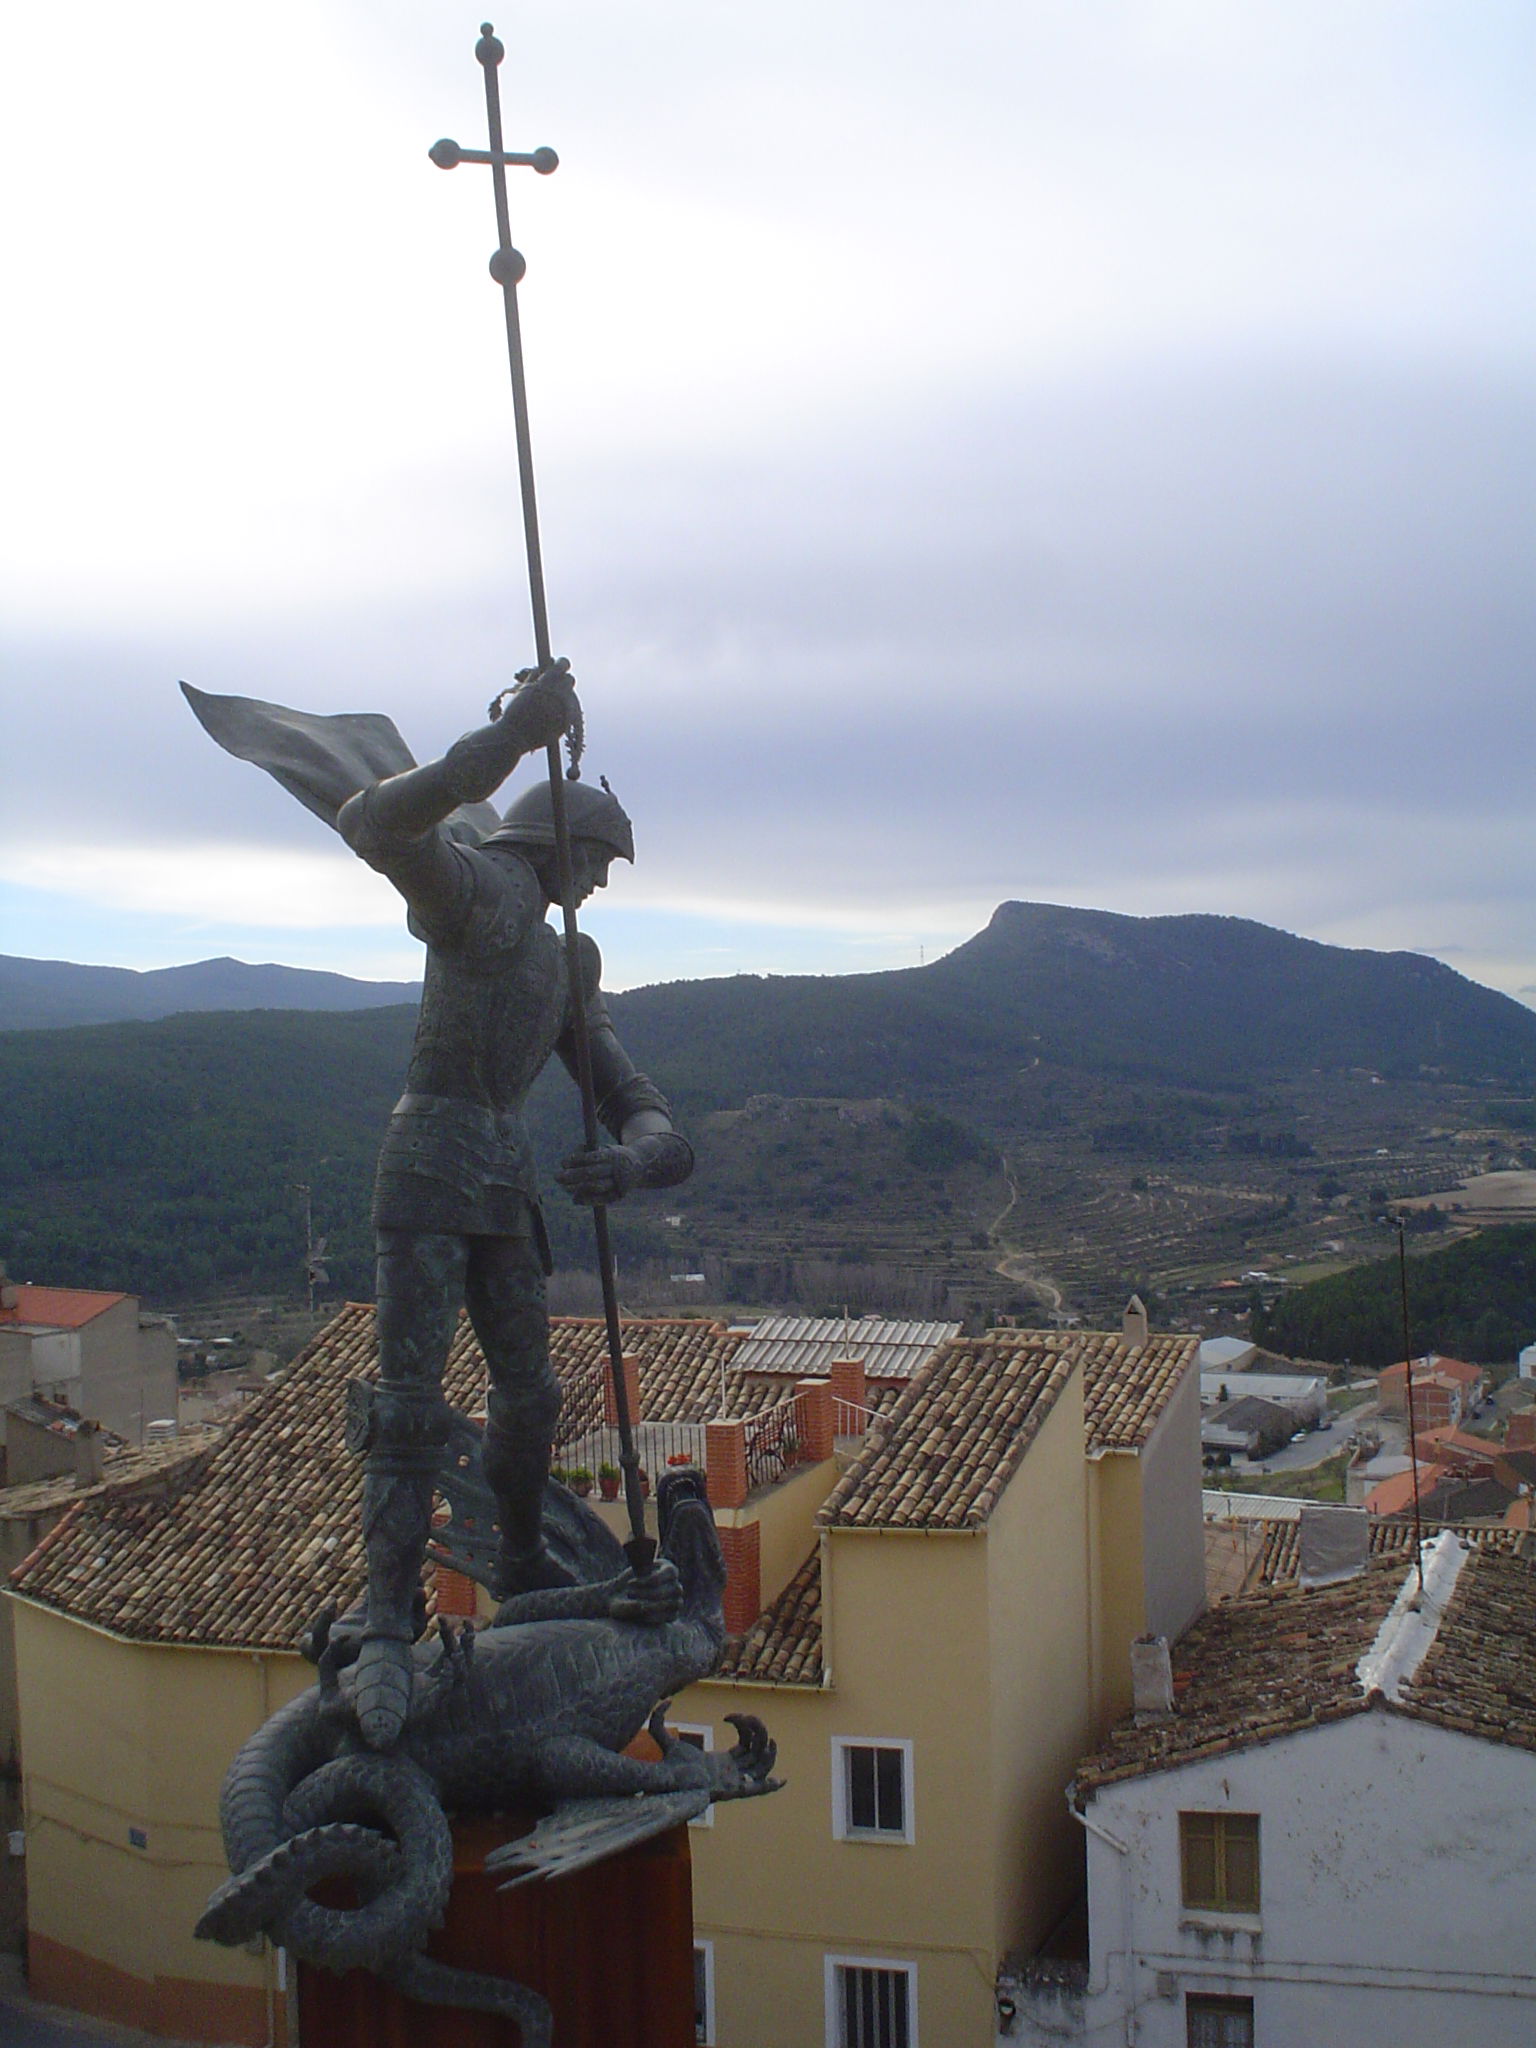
{"type": "Point", "coordinates": [945, 1593]}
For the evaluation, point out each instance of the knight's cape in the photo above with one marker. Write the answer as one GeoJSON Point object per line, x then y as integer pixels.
{"type": "Point", "coordinates": [321, 758]}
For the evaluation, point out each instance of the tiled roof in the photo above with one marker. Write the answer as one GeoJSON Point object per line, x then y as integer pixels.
{"type": "Point", "coordinates": [1125, 1392]}
{"type": "Point", "coordinates": [949, 1444]}
{"type": "Point", "coordinates": [129, 1468]}
{"type": "Point", "coordinates": [783, 1646]}
{"type": "Point", "coordinates": [804, 1346]}
{"type": "Point", "coordinates": [1281, 1550]}
{"type": "Point", "coordinates": [1455, 1369]}
{"type": "Point", "coordinates": [1480, 1674]}
{"type": "Point", "coordinates": [57, 1308]}
{"type": "Point", "coordinates": [955, 1437]}
{"type": "Point", "coordinates": [265, 1527]}
{"type": "Point", "coordinates": [683, 1363]}
{"type": "Point", "coordinates": [1284, 1659]}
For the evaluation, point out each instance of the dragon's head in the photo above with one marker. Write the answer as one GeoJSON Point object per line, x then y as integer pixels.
{"type": "Point", "coordinates": [686, 1525]}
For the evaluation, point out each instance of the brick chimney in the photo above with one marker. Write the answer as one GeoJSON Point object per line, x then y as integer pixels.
{"type": "Point", "coordinates": [850, 1384]}
{"type": "Point", "coordinates": [742, 1549]}
{"type": "Point", "coordinates": [725, 1463]}
{"type": "Point", "coordinates": [814, 1402]}
{"type": "Point", "coordinates": [631, 1387]}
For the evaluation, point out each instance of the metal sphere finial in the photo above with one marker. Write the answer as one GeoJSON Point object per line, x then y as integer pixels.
{"type": "Point", "coordinates": [488, 50]}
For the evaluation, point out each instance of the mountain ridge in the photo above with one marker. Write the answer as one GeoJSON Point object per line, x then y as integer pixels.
{"type": "Point", "coordinates": [47, 995]}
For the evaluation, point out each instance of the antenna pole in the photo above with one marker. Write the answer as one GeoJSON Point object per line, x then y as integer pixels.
{"type": "Point", "coordinates": [1413, 1429]}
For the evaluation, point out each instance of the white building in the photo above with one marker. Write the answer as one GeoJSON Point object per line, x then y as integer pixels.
{"type": "Point", "coordinates": [1327, 1840]}
{"type": "Point", "coordinates": [1527, 1362]}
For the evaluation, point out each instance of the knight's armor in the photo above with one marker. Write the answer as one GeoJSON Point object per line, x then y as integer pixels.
{"type": "Point", "coordinates": [456, 1201]}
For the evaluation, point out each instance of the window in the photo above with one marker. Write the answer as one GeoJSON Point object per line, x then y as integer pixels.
{"type": "Point", "coordinates": [871, 1790]}
{"type": "Point", "coordinates": [703, 1993]}
{"type": "Point", "coordinates": [871, 2004]}
{"type": "Point", "coordinates": [702, 1736]}
{"type": "Point", "coordinates": [1218, 2022]}
{"type": "Point", "coordinates": [1219, 1858]}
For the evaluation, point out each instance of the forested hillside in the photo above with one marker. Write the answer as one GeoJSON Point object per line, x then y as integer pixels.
{"type": "Point", "coordinates": [1068, 1106]}
{"type": "Point", "coordinates": [1475, 1299]}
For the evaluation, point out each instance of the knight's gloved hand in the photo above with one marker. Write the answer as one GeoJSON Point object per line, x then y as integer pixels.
{"type": "Point", "coordinates": [545, 702]}
{"type": "Point", "coordinates": [653, 1597]}
{"type": "Point", "coordinates": [538, 711]}
{"type": "Point", "coordinates": [601, 1173]}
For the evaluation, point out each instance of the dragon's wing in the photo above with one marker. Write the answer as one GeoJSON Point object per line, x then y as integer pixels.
{"type": "Point", "coordinates": [583, 1831]}
{"type": "Point", "coordinates": [577, 1538]}
{"type": "Point", "coordinates": [319, 758]}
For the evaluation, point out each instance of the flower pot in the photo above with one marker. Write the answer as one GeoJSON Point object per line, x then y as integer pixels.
{"type": "Point", "coordinates": [609, 1488]}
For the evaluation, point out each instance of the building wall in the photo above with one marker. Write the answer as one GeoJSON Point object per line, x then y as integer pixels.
{"type": "Point", "coordinates": [1120, 1605]}
{"type": "Point", "coordinates": [1397, 1892]}
{"type": "Point", "coordinates": [124, 1747]}
{"type": "Point", "coordinates": [127, 1370]}
{"type": "Point", "coordinates": [775, 1892]}
{"type": "Point", "coordinates": [1040, 1684]}
{"type": "Point", "coordinates": [1172, 1522]}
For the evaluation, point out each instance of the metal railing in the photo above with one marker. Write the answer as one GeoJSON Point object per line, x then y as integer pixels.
{"type": "Point", "coordinates": [773, 1443]}
{"type": "Point", "coordinates": [658, 1445]}
{"type": "Point", "coordinates": [852, 1418]}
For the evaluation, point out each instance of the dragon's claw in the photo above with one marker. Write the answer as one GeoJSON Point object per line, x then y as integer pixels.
{"type": "Point", "coordinates": [754, 1754]}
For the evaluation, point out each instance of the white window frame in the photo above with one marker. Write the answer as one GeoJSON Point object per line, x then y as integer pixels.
{"type": "Point", "coordinates": [892, 1965]}
{"type": "Point", "coordinates": [706, 1949]}
{"type": "Point", "coordinates": [703, 1735]}
{"type": "Point", "coordinates": [842, 1828]}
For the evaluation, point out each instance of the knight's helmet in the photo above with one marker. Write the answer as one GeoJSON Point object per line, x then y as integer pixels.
{"type": "Point", "coordinates": [592, 811]}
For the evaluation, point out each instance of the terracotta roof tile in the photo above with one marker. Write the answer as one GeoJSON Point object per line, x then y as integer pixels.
{"type": "Point", "coordinates": [783, 1646]}
{"type": "Point", "coordinates": [239, 1544]}
{"type": "Point", "coordinates": [1274, 1662]}
{"type": "Point", "coordinates": [942, 1454]}
{"type": "Point", "coordinates": [949, 1444]}
{"type": "Point", "coordinates": [1279, 1557]}
{"type": "Point", "coordinates": [58, 1308]}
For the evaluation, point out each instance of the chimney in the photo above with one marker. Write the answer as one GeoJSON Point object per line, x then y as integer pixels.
{"type": "Point", "coordinates": [850, 1391]}
{"type": "Point", "coordinates": [741, 1552]}
{"type": "Point", "coordinates": [10, 1296]}
{"type": "Point", "coordinates": [813, 1399]}
{"type": "Point", "coordinates": [89, 1447]}
{"type": "Point", "coordinates": [1151, 1678]}
{"type": "Point", "coordinates": [1134, 1326]}
{"type": "Point", "coordinates": [631, 1388]}
{"type": "Point", "coordinates": [1334, 1543]}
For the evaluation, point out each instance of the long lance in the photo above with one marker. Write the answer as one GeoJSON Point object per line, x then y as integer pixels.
{"type": "Point", "coordinates": [507, 268]}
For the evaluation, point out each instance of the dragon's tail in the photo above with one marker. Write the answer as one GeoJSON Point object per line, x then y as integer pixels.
{"type": "Point", "coordinates": [376, 1819]}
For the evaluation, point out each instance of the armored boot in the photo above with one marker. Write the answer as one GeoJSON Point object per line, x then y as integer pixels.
{"type": "Point", "coordinates": [408, 1430]}
{"type": "Point", "coordinates": [517, 1469]}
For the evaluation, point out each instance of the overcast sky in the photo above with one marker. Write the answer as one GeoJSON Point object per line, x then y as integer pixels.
{"type": "Point", "coordinates": [1079, 452]}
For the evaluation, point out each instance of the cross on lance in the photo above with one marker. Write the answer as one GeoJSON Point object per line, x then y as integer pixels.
{"type": "Point", "coordinates": [507, 268]}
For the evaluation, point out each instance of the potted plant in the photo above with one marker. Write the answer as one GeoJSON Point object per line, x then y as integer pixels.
{"type": "Point", "coordinates": [559, 1474]}
{"type": "Point", "coordinates": [608, 1481]}
{"type": "Point", "coordinates": [645, 1483]}
{"type": "Point", "coordinates": [680, 1457]}
{"type": "Point", "coordinates": [579, 1480]}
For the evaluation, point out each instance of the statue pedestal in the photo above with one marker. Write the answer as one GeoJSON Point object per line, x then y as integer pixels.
{"type": "Point", "coordinates": [610, 1947]}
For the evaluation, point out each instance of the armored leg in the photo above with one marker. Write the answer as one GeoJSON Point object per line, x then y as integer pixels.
{"type": "Point", "coordinates": [504, 1291]}
{"type": "Point", "coordinates": [419, 1282]}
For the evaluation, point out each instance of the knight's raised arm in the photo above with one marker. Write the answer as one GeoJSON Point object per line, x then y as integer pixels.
{"type": "Point", "coordinates": [474, 767]}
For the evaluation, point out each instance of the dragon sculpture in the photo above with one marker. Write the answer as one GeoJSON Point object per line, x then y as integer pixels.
{"type": "Point", "coordinates": [533, 1711]}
